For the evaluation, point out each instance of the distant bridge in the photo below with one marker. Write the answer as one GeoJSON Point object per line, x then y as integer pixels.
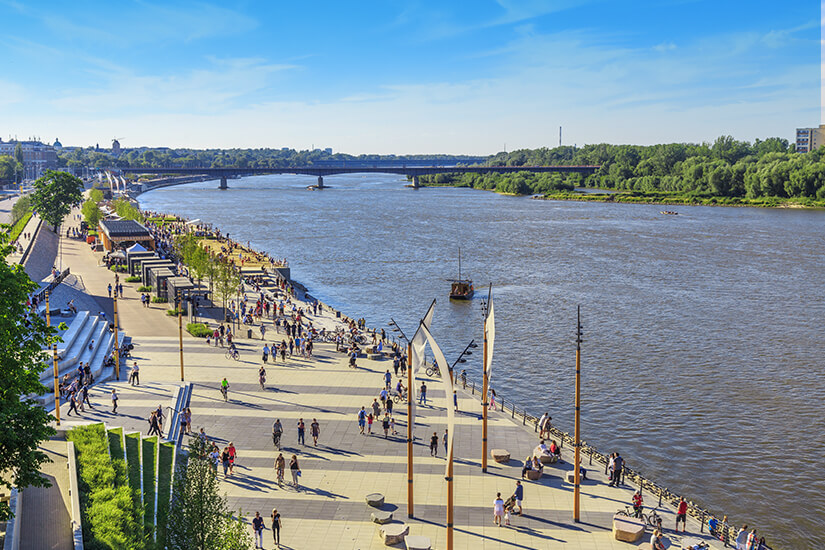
{"type": "Point", "coordinates": [411, 171]}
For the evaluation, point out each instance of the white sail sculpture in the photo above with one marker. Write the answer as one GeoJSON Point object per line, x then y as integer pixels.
{"type": "Point", "coordinates": [447, 380]}
{"type": "Point", "coordinates": [419, 343]}
{"type": "Point", "coordinates": [490, 331]}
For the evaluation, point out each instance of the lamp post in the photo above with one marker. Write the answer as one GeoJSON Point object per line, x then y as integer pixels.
{"type": "Point", "coordinates": [577, 435]}
{"type": "Point", "coordinates": [54, 358]}
{"type": "Point", "coordinates": [180, 334]}
{"type": "Point", "coordinates": [410, 505]}
{"type": "Point", "coordinates": [485, 310]}
{"type": "Point", "coordinates": [117, 347]}
{"type": "Point", "coordinates": [461, 359]}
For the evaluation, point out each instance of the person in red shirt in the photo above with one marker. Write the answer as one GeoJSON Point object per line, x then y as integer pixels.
{"type": "Point", "coordinates": [681, 514]}
{"type": "Point", "coordinates": [637, 503]}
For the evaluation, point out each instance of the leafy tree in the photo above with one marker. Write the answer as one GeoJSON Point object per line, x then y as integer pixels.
{"type": "Point", "coordinates": [227, 281]}
{"type": "Point", "coordinates": [25, 424]}
{"type": "Point", "coordinates": [199, 517]}
{"type": "Point", "coordinates": [7, 169]}
{"type": "Point", "coordinates": [54, 194]}
{"type": "Point", "coordinates": [95, 194]}
{"type": "Point", "coordinates": [20, 208]}
{"type": "Point", "coordinates": [91, 213]}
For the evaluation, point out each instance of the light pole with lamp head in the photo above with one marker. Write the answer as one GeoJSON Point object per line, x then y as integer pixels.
{"type": "Point", "coordinates": [396, 328]}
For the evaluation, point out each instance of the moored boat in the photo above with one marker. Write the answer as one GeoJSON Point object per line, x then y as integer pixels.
{"type": "Point", "coordinates": [461, 289]}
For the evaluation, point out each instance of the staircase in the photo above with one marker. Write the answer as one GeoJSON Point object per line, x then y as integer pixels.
{"type": "Point", "coordinates": [87, 340]}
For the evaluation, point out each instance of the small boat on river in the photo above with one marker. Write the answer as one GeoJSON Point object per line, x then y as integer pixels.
{"type": "Point", "coordinates": [461, 289]}
{"type": "Point", "coordinates": [669, 213]}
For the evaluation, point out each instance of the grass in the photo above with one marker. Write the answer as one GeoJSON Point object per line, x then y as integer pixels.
{"type": "Point", "coordinates": [107, 505]}
{"type": "Point", "coordinates": [699, 199]}
{"type": "Point", "coordinates": [115, 436]}
{"type": "Point", "coordinates": [18, 227]}
{"type": "Point", "coordinates": [198, 330]}
{"type": "Point", "coordinates": [150, 446]}
{"type": "Point", "coordinates": [165, 476]}
{"type": "Point", "coordinates": [133, 464]}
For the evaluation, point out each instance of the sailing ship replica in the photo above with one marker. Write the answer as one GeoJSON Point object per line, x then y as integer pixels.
{"type": "Point", "coordinates": [461, 289]}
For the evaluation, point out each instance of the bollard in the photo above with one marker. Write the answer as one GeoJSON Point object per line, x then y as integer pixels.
{"type": "Point", "coordinates": [524, 422]}
{"type": "Point", "coordinates": [513, 411]}
{"type": "Point", "coordinates": [702, 526]}
{"type": "Point", "coordinates": [591, 463]}
{"type": "Point", "coordinates": [473, 390]}
{"type": "Point", "coordinates": [537, 426]}
{"type": "Point", "coordinates": [660, 499]}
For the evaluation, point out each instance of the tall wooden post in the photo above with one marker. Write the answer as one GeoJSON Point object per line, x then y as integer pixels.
{"type": "Point", "coordinates": [117, 346]}
{"type": "Point", "coordinates": [577, 443]}
{"type": "Point", "coordinates": [484, 401]}
{"type": "Point", "coordinates": [180, 334]}
{"type": "Point", "coordinates": [410, 421]}
{"type": "Point", "coordinates": [54, 358]}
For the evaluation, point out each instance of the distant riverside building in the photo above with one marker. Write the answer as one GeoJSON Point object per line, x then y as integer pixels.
{"type": "Point", "coordinates": [115, 147]}
{"type": "Point", "coordinates": [808, 139]}
{"type": "Point", "coordinates": [37, 157]}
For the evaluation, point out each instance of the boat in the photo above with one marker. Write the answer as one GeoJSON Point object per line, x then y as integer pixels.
{"type": "Point", "coordinates": [669, 213]}
{"type": "Point", "coordinates": [461, 289]}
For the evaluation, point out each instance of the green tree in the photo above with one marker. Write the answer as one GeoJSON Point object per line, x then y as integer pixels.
{"type": "Point", "coordinates": [91, 213]}
{"type": "Point", "coordinates": [95, 195]}
{"type": "Point", "coordinates": [25, 424]}
{"type": "Point", "coordinates": [227, 281]}
{"type": "Point", "coordinates": [7, 169]}
{"type": "Point", "coordinates": [199, 517]}
{"type": "Point", "coordinates": [54, 194]}
{"type": "Point", "coordinates": [20, 208]}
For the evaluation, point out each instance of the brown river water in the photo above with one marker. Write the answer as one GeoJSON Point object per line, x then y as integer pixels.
{"type": "Point", "coordinates": [703, 359]}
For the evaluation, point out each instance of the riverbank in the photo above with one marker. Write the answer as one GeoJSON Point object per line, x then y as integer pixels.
{"type": "Point", "coordinates": [636, 197]}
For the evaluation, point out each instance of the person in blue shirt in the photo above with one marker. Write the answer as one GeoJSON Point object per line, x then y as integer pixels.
{"type": "Point", "coordinates": [518, 495]}
{"type": "Point", "coordinates": [388, 379]}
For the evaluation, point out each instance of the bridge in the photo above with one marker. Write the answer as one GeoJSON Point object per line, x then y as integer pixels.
{"type": "Point", "coordinates": [413, 172]}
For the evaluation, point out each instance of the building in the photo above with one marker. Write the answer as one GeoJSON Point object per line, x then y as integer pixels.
{"type": "Point", "coordinates": [37, 157]}
{"type": "Point", "coordinates": [116, 234]}
{"type": "Point", "coordinates": [115, 147]}
{"type": "Point", "coordinates": [808, 139]}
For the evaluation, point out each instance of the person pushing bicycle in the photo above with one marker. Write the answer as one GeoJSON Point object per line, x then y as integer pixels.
{"type": "Point", "coordinates": [638, 503]}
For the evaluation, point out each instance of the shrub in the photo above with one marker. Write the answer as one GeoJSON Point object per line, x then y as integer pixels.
{"type": "Point", "coordinates": [145, 288]}
{"type": "Point", "coordinates": [132, 279]}
{"type": "Point", "coordinates": [159, 300]}
{"type": "Point", "coordinates": [172, 312]}
{"type": "Point", "coordinates": [19, 226]}
{"type": "Point", "coordinates": [198, 330]}
{"type": "Point", "coordinates": [118, 268]}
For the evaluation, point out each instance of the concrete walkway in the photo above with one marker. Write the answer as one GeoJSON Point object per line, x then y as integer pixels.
{"type": "Point", "coordinates": [47, 523]}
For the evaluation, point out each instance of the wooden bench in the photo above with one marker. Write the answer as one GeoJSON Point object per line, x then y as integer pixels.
{"type": "Point", "coordinates": [500, 455]}
{"type": "Point", "coordinates": [627, 529]}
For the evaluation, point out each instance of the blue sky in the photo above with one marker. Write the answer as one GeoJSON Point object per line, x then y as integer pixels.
{"type": "Point", "coordinates": [407, 76]}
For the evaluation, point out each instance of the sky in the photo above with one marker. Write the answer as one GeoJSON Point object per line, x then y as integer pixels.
{"type": "Point", "coordinates": [407, 76]}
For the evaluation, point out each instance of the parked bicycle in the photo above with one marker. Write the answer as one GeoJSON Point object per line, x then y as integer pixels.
{"type": "Point", "coordinates": [653, 519]}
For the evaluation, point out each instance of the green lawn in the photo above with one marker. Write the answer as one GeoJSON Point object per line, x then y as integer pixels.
{"type": "Point", "coordinates": [165, 476]}
{"type": "Point", "coordinates": [150, 447]}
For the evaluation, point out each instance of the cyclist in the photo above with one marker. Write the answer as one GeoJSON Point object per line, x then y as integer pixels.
{"type": "Point", "coordinates": [262, 377]}
{"type": "Point", "coordinates": [638, 502]}
{"type": "Point", "coordinates": [233, 351]}
{"type": "Point", "coordinates": [280, 466]}
{"type": "Point", "coordinates": [225, 389]}
{"type": "Point", "coordinates": [277, 430]}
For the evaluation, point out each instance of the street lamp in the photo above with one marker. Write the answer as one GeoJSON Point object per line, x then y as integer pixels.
{"type": "Point", "coordinates": [396, 328]}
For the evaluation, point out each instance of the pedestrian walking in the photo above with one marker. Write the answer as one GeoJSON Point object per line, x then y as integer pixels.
{"type": "Point", "coordinates": [518, 496]}
{"type": "Point", "coordinates": [370, 419]}
{"type": "Point", "coordinates": [618, 465]}
{"type": "Point", "coordinates": [422, 394]}
{"type": "Point", "coordinates": [315, 431]}
{"type": "Point", "coordinates": [276, 527]}
{"type": "Point", "coordinates": [498, 509]}
{"type": "Point", "coordinates": [233, 453]}
{"type": "Point", "coordinates": [385, 423]}
{"type": "Point", "coordinates": [72, 405]}
{"type": "Point", "coordinates": [295, 470]}
{"type": "Point", "coordinates": [444, 442]}
{"type": "Point", "coordinates": [110, 290]}
{"type": "Point", "coordinates": [455, 399]}
{"type": "Point", "coordinates": [114, 400]}
{"type": "Point", "coordinates": [392, 426]}
{"type": "Point", "coordinates": [681, 514]}
{"type": "Point", "coordinates": [492, 399]}
{"type": "Point", "coordinates": [387, 379]}
{"type": "Point", "coordinates": [86, 395]}
{"type": "Point", "coordinates": [258, 529]}
{"type": "Point", "coordinates": [225, 462]}
{"type": "Point", "coordinates": [434, 444]}
{"type": "Point", "coordinates": [362, 419]}
{"type": "Point", "coordinates": [376, 408]}
{"type": "Point", "coordinates": [301, 430]}
{"type": "Point", "coordinates": [134, 376]}
{"type": "Point", "coordinates": [153, 423]}
{"type": "Point", "coordinates": [389, 406]}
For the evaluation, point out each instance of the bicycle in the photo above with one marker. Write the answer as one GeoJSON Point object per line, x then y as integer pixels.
{"type": "Point", "coordinates": [653, 519]}
{"type": "Point", "coordinates": [433, 370]}
{"type": "Point", "coordinates": [276, 440]}
{"type": "Point", "coordinates": [225, 392]}
{"type": "Point", "coordinates": [262, 382]}
{"type": "Point", "coordinates": [233, 354]}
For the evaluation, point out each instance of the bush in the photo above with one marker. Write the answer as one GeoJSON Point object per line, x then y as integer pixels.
{"type": "Point", "coordinates": [19, 226]}
{"type": "Point", "coordinates": [145, 288]}
{"type": "Point", "coordinates": [107, 502]}
{"type": "Point", "coordinates": [118, 268]}
{"type": "Point", "coordinates": [132, 279]}
{"type": "Point", "coordinates": [198, 330]}
{"type": "Point", "coordinates": [172, 312]}
{"type": "Point", "coordinates": [159, 300]}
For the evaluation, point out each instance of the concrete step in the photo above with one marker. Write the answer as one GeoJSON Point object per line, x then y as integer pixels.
{"type": "Point", "coordinates": [75, 328]}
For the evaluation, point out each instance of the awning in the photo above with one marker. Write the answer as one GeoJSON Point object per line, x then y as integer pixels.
{"type": "Point", "coordinates": [136, 248]}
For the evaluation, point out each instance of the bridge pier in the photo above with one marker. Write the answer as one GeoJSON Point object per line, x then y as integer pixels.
{"type": "Point", "coordinates": [320, 182]}
{"type": "Point", "coordinates": [415, 184]}
{"type": "Point", "coordinates": [223, 183]}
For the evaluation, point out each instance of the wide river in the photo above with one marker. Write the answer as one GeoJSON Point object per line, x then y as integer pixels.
{"type": "Point", "coordinates": [703, 359]}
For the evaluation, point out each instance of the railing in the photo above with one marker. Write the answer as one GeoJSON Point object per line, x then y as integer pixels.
{"type": "Point", "coordinates": [52, 285]}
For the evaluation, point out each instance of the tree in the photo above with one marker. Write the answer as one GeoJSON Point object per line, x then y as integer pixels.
{"type": "Point", "coordinates": [199, 517]}
{"type": "Point", "coordinates": [25, 424]}
{"type": "Point", "coordinates": [91, 213]}
{"type": "Point", "coordinates": [20, 208]}
{"type": "Point", "coordinates": [7, 169]}
{"type": "Point", "coordinates": [226, 282]}
{"type": "Point", "coordinates": [54, 194]}
{"type": "Point", "coordinates": [95, 194]}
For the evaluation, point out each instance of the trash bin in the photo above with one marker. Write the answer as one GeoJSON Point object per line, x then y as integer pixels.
{"type": "Point", "coordinates": [228, 318]}
{"type": "Point", "coordinates": [338, 314]}
{"type": "Point", "coordinates": [249, 333]}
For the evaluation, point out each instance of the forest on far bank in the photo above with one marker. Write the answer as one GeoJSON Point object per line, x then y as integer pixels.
{"type": "Point", "coordinates": [724, 168]}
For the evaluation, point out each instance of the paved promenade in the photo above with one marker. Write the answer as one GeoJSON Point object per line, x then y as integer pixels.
{"type": "Point", "coordinates": [328, 509]}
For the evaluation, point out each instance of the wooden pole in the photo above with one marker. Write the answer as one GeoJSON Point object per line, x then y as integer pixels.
{"type": "Point", "coordinates": [577, 444]}
{"type": "Point", "coordinates": [450, 512]}
{"type": "Point", "coordinates": [54, 358]}
{"type": "Point", "coordinates": [180, 334]}
{"type": "Point", "coordinates": [484, 402]}
{"type": "Point", "coordinates": [410, 421]}
{"type": "Point", "coordinates": [117, 347]}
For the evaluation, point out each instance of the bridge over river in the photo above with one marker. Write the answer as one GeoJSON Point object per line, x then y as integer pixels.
{"type": "Point", "coordinates": [411, 171]}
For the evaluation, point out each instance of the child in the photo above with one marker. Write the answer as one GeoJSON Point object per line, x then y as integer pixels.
{"type": "Point", "coordinates": [392, 426]}
{"type": "Point", "coordinates": [369, 423]}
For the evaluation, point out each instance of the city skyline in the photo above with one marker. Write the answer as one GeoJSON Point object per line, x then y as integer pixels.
{"type": "Point", "coordinates": [464, 78]}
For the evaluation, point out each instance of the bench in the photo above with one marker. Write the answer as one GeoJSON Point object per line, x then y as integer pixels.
{"type": "Point", "coordinates": [417, 542]}
{"type": "Point", "coordinates": [533, 475]}
{"type": "Point", "coordinates": [500, 455]}
{"type": "Point", "coordinates": [381, 517]}
{"type": "Point", "coordinates": [545, 458]}
{"type": "Point", "coordinates": [393, 533]}
{"type": "Point", "coordinates": [627, 529]}
{"type": "Point", "coordinates": [376, 500]}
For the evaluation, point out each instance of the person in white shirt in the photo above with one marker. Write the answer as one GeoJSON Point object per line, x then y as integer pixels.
{"type": "Point", "coordinates": [498, 509]}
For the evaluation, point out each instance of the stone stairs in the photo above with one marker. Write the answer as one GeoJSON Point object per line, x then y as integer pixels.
{"type": "Point", "coordinates": [87, 340]}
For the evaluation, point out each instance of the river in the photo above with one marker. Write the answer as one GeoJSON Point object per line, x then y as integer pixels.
{"type": "Point", "coordinates": [702, 360]}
